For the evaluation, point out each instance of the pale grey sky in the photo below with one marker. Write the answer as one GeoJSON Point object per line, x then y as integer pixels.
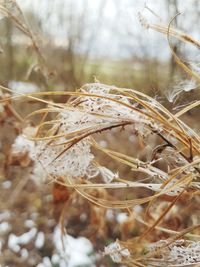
{"type": "Point", "coordinates": [116, 32]}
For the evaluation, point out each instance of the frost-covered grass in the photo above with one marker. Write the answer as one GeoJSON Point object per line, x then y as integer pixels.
{"type": "Point", "coordinates": [139, 205]}
{"type": "Point", "coordinates": [64, 148]}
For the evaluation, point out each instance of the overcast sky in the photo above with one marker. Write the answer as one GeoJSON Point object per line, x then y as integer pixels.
{"type": "Point", "coordinates": [112, 27]}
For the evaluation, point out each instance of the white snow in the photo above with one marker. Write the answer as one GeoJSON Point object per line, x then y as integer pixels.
{"type": "Point", "coordinates": [22, 144]}
{"type": "Point", "coordinates": [39, 242]}
{"type": "Point", "coordinates": [76, 250]}
{"type": "Point", "coordinates": [110, 216]}
{"type": "Point", "coordinates": [5, 227]}
{"type": "Point", "coordinates": [24, 253]}
{"type": "Point", "coordinates": [29, 223]}
{"type": "Point", "coordinates": [5, 215]}
{"type": "Point", "coordinates": [47, 262]}
{"type": "Point", "coordinates": [55, 258]}
{"type": "Point", "coordinates": [23, 87]}
{"type": "Point", "coordinates": [14, 241]}
{"type": "Point", "coordinates": [122, 217]}
{"type": "Point", "coordinates": [6, 184]}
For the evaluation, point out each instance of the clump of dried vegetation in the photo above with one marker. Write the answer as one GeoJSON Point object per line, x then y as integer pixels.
{"type": "Point", "coordinates": [157, 188]}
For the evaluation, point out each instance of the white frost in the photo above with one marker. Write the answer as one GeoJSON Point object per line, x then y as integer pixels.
{"type": "Point", "coordinates": [116, 252]}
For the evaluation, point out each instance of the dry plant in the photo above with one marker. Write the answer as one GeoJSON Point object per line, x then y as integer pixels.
{"type": "Point", "coordinates": [61, 150]}
{"type": "Point", "coordinates": [11, 10]}
{"type": "Point", "coordinates": [64, 148]}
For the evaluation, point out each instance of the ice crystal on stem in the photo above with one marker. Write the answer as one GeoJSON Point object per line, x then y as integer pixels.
{"type": "Point", "coordinates": [64, 150]}
{"type": "Point", "coordinates": [116, 252]}
{"type": "Point", "coordinates": [63, 155]}
{"type": "Point", "coordinates": [180, 253]}
{"type": "Point", "coordinates": [73, 162]}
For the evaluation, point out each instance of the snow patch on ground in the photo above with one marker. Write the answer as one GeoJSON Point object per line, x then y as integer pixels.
{"type": "Point", "coordinates": [76, 250]}
{"type": "Point", "coordinates": [15, 241]}
{"type": "Point", "coordinates": [23, 87]}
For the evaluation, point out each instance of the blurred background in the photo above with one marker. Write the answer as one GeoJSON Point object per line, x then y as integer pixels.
{"type": "Point", "coordinates": [103, 39]}
{"type": "Point", "coordinates": [58, 45]}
